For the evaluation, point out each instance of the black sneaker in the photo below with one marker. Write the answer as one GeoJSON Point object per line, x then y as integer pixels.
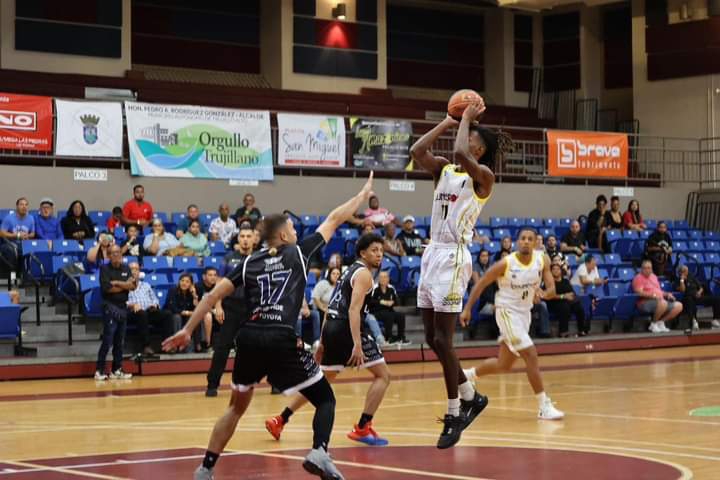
{"type": "Point", "coordinates": [472, 408]}
{"type": "Point", "coordinates": [211, 392]}
{"type": "Point", "coordinates": [453, 427]}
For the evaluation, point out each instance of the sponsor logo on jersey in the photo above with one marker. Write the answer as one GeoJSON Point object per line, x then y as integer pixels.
{"type": "Point", "coordinates": [452, 299]}
{"type": "Point", "coordinates": [446, 197]}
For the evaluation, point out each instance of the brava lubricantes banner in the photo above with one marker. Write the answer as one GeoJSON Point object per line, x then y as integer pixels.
{"type": "Point", "coordinates": [587, 154]}
{"type": "Point", "coordinates": [198, 142]}
{"type": "Point", "coordinates": [381, 144]}
{"type": "Point", "coordinates": [25, 122]}
{"type": "Point", "coordinates": [311, 140]}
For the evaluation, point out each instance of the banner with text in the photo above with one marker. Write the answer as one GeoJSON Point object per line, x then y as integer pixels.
{"type": "Point", "coordinates": [311, 140]}
{"type": "Point", "coordinates": [89, 129]}
{"type": "Point", "coordinates": [380, 144]}
{"type": "Point", "coordinates": [198, 142]}
{"type": "Point", "coordinates": [26, 122]}
{"type": "Point", "coordinates": [587, 154]}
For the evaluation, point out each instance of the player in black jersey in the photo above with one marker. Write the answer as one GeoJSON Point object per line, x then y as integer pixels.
{"type": "Point", "coordinates": [344, 344]}
{"type": "Point", "coordinates": [274, 280]}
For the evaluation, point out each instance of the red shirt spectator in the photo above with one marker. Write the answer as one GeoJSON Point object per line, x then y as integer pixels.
{"type": "Point", "coordinates": [632, 218]}
{"type": "Point", "coordinates": [115, 219]}
{"type": "Point", "coordinates": [137, 210]}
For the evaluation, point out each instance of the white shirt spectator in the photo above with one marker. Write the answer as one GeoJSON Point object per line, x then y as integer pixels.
{"type": "Point", "coordinates": [323, 291]}
{"type": "Point", "coordinates": [167, 242]}
{"type": "Point", "coordinates": [224, 230]}
{"type": "Point", "coordinates": [582, 271]}
{"type": "Point", "coordinates": [144, 296]}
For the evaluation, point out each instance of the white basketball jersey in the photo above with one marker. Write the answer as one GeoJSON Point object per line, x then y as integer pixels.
{"type": "Point", "coordinates": [456, 207]}
{"type": "Point", "coordinates": [518, 284]}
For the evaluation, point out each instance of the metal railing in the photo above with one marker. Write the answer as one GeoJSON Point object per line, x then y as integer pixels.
{"type": "Point", "coordinates": [654, 160]}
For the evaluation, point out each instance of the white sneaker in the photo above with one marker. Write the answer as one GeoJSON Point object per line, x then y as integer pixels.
{"type": "Point", "coordinates": [100, 376]}
{"type": "Point", "coordinates": [663, 327]}
{"type": "Point", "coordinates": [716, 324]}
{"type": "Point", "coordinates": [655, 327]}
{"type": "Point", "coordinates": [203, 473]}
{"type": "Point", "coordinates": [549, 412]}
{"type": "Point", "coordinates": [120, 375]}
{"type": "Point", "coordinates": [695, 325]}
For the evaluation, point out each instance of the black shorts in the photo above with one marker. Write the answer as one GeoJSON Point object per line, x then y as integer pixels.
{"type": "Point", "coordinates": [338, 344]}
{"type": "Point", "coordinates": [273, 353]}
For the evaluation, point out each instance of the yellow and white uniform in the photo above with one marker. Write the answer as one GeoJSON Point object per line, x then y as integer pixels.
{"type": "Point", "coordinates": [446, 263]}
{"type": "Point", "coordinates": [514, 300]}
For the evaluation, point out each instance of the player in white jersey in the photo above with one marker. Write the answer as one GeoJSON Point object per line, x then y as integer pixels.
{"type": "Point", "coordinates": [518, 276]}
{"type": "Point", "coordinates": [461, 191]}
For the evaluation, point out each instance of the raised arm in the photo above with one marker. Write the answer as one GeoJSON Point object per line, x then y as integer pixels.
{"type": "Point", "coordinates": [345, 211]}
{"type": "Point", "coordinates": [420, 151]}
{"type": "Point", "coordinates": [482, 176]}
{"type": "Point", "coordinates": [491, 276]}
{"type": "Point", "coordinates": [362, 283]}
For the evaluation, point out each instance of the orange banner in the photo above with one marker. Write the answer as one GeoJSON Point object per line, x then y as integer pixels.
{"type": "Point", "coordinates": [26, 122]}
{"type": "Point", "coordinates": [587, 154]}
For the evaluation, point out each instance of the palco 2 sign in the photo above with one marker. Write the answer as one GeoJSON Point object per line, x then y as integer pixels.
{"type": "Point", "coordinates": [90, 175]}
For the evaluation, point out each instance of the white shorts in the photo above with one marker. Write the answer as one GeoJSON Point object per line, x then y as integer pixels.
{"type": "Point", "coordinates": [514, 326]}
{"type": "Point", "coordinates": [444, 275]}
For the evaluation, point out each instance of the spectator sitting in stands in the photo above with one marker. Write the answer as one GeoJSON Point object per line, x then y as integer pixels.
{"type": "Point", "coordinates": [613, 217]}
{"type": "Point", "coordinates": [381, 304]}
{"type": "Point", "coordinates": [392, 246]}
{"type": "Point", "coordinates": [564, 303]}
{"type": "Point", "coordinates": [100, 252]}
{"type": "Point", "coordinates": [696, 294]}
{"type": "Point", "coordinates": [378, 215]}
{"type": "Point", "coordinates": [77, 225]}
{"type": "Point", "coordinates": [144, 307]}
{"type": "Point", "coordinates": [195, 240]}
{"type": "Point", "coordinates": [131, 244]}
{"type": "Point", "coordinates": [658, 248]}
{"type": "Point", "coordinates": [248, 212]}
{"type": "Point", "coordinates": [574, 241]}
{"type": "Point", "coordinates": [181, 301]}
{"type": "Point", "coordinates": [322, 292]}
{"type": "Point", "coordinates": [587, 275]}
{"type": "Point", "coordinates": [137, 210]}
{"type": "Point", "coordinates": [367, 227]}
{"type": "Point", "coordinates": [480, 239]}
{"type": "Point", "coordinates": [193, 213]}
{"type": "Point", "coordinates": [242, 249]}
{"type": "Point", "coordinates": [554, 253]}
{"type": "Point", "coordinates": [115, 219]}
{"type": "Point", "coordinates": [16, 228]}
{"type": "Point", "coordinates": [541, 312]}
{"type": "Point", "coordinates": [653, 299]}
{"type": "Point", "coordinates": [314, 316]}
{"type": "Point", "coordinates": [216, 316]}
{"type": "Point", "coordinates": [595, 223]}
{"type": "Point", "coordinates": [539, 243]}
{"type": "Point", "coordinates": [412, 242]}
{"type": "Point", "coordinates": [632, 219]}
{"type": "Point", "coordinates": [47, 226]}
{"type": "Point", "coordinates": [159, 241]}
{"type": "Point", "coordinates": [505, 248]}
{"type": "Point", "coordinates": [486, 303]}
{"type": "Point", "coordinates": [223, 227]}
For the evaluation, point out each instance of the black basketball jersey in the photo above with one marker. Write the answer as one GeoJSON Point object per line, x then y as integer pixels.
{"type": "Point", "coordinates": [274, 285]}
{"type": "Point", "coordinates": [339, 305]}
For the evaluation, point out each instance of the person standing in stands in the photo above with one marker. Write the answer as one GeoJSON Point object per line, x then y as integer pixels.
{"type": "Point", "coordinates": [381, 303]}
{"type": "Point", "coordinates": [248, 212]}
{"type": "Point", "coordinates": [47, 226]}
{"type": "Point", "coordinates": [564, 303]}
{"type": "Point", "coordinates": [137, 210]}
{"type": "Point", "coordinates": [242, 248]}
{"type": "Point", "coordinates": [116, 281]}
{"type": "Point", "coordinates": [658, 248]}
{"type": "Point", "coordinates": [77, 225]}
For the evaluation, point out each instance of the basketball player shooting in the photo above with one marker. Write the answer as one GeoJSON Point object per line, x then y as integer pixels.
{"type": "Point", "coordinates": [518, 276]}
{"type": "Point", "coordinates": [461, 191]}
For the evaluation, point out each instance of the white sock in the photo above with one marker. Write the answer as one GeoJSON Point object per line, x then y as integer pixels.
{"type": "Point", "coordinates": [454, 407]}
{"type": "Point", "coordinates": [467, 391]}
{"type": "Point", "coordinates": [541, 398]}
{"type": "Point", "coordinates": [470, 374]}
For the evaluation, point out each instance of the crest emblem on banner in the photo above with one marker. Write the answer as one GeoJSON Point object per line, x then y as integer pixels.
{"type": "Point", "coordinates": [90, 131]}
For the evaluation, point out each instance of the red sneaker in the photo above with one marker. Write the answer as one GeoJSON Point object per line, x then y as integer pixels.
{"type": "Point", "coordinates": [367, 435]}
{"type": "Point", "coordinates": [275, 426]}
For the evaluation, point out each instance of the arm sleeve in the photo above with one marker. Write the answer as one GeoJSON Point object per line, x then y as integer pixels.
{"type": "Point", "coordinates": [236, 275]}
{"type": "Point", "coordinates": [311, 244]}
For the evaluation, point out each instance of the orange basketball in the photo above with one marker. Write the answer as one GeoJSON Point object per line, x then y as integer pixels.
{"type": "Point", "coordinates": [460, 100]}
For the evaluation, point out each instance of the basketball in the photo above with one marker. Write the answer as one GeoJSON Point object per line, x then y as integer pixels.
{"type": "Point", "coordinates": [460, 100]}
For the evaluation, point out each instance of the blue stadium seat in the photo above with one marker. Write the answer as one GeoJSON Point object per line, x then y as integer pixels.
{"type": "Point", "coordinates": [4, 212]}
{"type": "Point", "coordinates": [696, 246]}
{"type": "Point", "coordinates": [596, 291]}
{"type": "Point", "coordinates": [393, 270]}
{"type": "Point", "coordinates": [712, 245]}
{"type": "Point", "coordinates": [498, 222]}
{"type": "Point", "coordinates": [618, 288]}
{"type": "Point", "coordinates": [626, 310]}
{"type": "Point", "coordinates": [546, 232]}
{"type": "Point", "coordinates": [100, 217]}
{"type": "Point", "coordinates": [217, 261]}
{"type": "Point", "coordinates": [91, 295]}
{"type": "Point", "coordinates": [613, 236]}
{"type": "Point", "coordinates": [572, 261]}
{"type": "Point", "coordinates": [681, 225]}
{"type": "Point", "coordinates": [492, 247]}
{"type": "Point", "coordinates": [158, 280]}
{"type": "Point", "coordinates": [516, 222]}
{"type": "Point", "coordinates": [176, 277]}
{"type": "Point", "coordinates": [680, 246]}
{"type": "Point", "coordinates": [177, 217]}
{"type": "Point", "coordinates": [312, 279]}
{"type": "Point", "coordinates": [161, 293]}
{"type": "Point", "coordinates": [484, 232]}
{"type": "Point", "coordinates": [679, 235]}
{"type": "Point", "coordinates": [158, 264]}
{"type": "Point", "coordinates": [710, 235]}
{"type": "Point", "coordinates": [695, 234]}
{"type": "Point", "coordinates": [310, 223]}
{"type": "Point", "coordinates": [217, 248]}
{"type": "Point", "coordinates": [551, 222]}
{"type": "Point", "coordinates": [612, 259]}
{"type": "Point", "coordinates": [624, 273]}
{"type": "Point", "coordinates": [628, 234]}
{"type": "Point", "coordinates": [699, 257]}
{"type": "Point", "coordinates": [162, 216]}
{"type": "Point", "coordinates": [71, 248]}
{"type": "Point", "coordinates": [38, 258]}
{"type": "Point", "coordinates": [651, 224]}
{"type": "Point", "coordinates": [712, 258]}
{"type": "Point", "coordinates": [534, 222]}
{"type": "Point", "coordinates": [187, 264]}
{"type": "Point", "coordinates": [421, 231]}
{"type": "Point", "coordinates": [499, 233]}
{"type": "Point", "coordinates": [421, 221]}
{"type": "Point", "coordinates": [61, 261]}
{"type": "Point", "coordinates": [9, 318]}
{"type": "Point", "coordinates": [645, 234]}
{"type": "Point", "coordinates": [207, 218]}
{"type": "Point", "coordinates": [408, 264]}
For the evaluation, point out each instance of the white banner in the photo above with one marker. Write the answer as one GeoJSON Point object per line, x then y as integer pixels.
{"type": "Point", "coordinates": [311, 140]}
{"type": "Point", "coordinates": [198, 142]}
{"type": "Point", "coordinates": [89, 129]}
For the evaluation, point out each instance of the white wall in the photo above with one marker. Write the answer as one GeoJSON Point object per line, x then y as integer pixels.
{"type": "Point", "coordinates": [11, 59]}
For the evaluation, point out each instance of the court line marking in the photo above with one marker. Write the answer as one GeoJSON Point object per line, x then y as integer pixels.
{"type": "Point", "coordinates": [33, 467]}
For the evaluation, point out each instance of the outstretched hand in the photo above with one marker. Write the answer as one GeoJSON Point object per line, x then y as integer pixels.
{"type": "Point", "coordinates": [473, 111]}
{"type": "Point", "coordinates": [367, 190]}
{"type": "Point", "coordinates": [178, 341]}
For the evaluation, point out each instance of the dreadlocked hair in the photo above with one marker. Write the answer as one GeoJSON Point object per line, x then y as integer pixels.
{"type": "Point", "coordinates": [498, 143]}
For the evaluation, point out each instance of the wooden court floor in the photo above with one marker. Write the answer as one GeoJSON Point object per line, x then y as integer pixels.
{"type": "Point", "coordinates": [627, 417]}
